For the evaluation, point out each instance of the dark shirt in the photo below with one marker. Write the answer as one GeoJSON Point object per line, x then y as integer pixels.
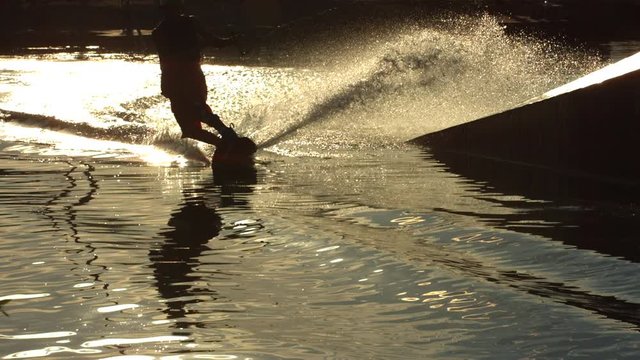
{"type": "Point", "coordinates": [177, 40]}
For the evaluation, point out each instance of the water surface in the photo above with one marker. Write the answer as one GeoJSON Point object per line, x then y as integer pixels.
{"type": "Point", "coordinates": [120, 242]}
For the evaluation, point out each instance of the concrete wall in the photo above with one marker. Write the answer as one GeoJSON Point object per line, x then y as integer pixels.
{"type": "Point", "coordinates": [594, 131]}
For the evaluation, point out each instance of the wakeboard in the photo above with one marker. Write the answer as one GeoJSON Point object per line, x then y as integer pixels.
{"type": "Point", "coordinates": [236, 154]}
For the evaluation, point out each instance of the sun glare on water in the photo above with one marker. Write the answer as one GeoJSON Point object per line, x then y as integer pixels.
{"type": "Point", "coordinates": [70, 90]}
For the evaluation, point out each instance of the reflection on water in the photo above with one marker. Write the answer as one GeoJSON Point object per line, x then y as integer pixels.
{"type": "Point", "coordinates": [588, 213]}
{"type": "Point", "coordinates": [177, 260]}
{"type": "Point", "coordinates": [174, 262]}
{"type": "Point", "coordinates": [121, 259]}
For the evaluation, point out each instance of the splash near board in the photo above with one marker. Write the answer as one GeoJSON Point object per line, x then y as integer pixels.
{"type": "Point", "coordinates": [235, 154]}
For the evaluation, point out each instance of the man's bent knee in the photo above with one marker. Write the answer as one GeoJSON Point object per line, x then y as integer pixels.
{"type": "Point", "coordinates": [190, 133]}
{"type": "Point", "coordinates": [201, 135]}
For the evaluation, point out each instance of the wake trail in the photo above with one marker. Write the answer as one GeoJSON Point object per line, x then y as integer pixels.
{"type": "Point", "coordinates": [423, 80]}
{"type": "Point", "coordinates": [320, 111]}
{"type": "Point", "coordinates": [377, 82]}
{"type": "Point", "coordinates": [131, 134]}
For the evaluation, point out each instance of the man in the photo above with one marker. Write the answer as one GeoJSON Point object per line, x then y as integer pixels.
{"type": "Point", "coordinates": [179, 39]}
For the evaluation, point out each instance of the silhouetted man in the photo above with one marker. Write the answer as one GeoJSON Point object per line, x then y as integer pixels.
{"type": "Point", "coordinates": [179, 39]}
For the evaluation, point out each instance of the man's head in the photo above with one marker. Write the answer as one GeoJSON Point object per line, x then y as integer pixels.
{"type": "Point", "coordinates": [171, 7]}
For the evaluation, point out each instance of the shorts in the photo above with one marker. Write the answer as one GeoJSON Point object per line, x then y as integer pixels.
{"type": "Point", "coordinates": [183, 80]}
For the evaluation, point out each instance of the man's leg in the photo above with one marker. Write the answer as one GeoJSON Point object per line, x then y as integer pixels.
{"type": "Point", "coordinates": [202, 135]}
{"type": "Point", "coordinates": [213, 120]}
{"type": "Point", "coordinates": [188, 117]}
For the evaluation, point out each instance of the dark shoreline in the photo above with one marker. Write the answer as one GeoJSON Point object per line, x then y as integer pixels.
{"type": "Point", "coordinates": [70, 26]}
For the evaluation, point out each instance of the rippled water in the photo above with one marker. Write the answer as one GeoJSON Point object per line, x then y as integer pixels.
{"type": "Point", "coordinates": [118, 242]}
{"type": "Point", "coordinates": [109, 259]}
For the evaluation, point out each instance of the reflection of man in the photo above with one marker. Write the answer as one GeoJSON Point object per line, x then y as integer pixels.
{"type": "Point", "coordinates": [176, 260]}
{"type": "Point", "coordinates": [178, 41]}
